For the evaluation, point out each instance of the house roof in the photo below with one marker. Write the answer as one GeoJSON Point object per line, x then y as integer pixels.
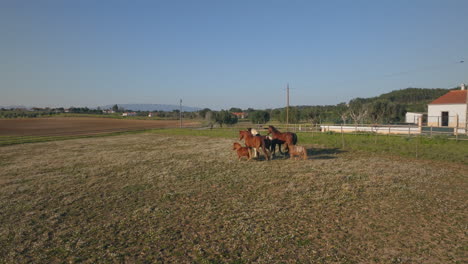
{"type": "Point", "coordinates": [452, 97]}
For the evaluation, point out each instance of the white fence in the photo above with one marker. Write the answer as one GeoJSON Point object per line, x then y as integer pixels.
{"type": "Point", "coordinates": [372, 129]}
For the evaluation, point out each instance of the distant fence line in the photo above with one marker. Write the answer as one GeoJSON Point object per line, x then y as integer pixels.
{"type": "Point", "coordinates": [397, 130]}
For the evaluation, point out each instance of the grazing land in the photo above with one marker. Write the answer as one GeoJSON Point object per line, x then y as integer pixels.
{"type": "Point", "coordinates": [155, 197]}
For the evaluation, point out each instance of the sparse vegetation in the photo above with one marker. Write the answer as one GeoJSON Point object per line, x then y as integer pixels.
{"type": "Point", "coordinates": [181, 198]}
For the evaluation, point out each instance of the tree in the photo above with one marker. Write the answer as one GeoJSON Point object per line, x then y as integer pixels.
{"type": "Point", "coordinates": [260, 117]}
{"type": "Point", "coordinates": [225, 117]}
{"type": "Point", "coordinates": [276, 114]}
{"type": "Point", "coordinates": [377, 111]}
{"type": "Point", "coordinates": [343, 112]}
{"type": "Point", "coordinates": [203, 112]}
{"type": "Point", "coordinates": [235, 110]}
{"type": "Point", "coordinates": [358, 110]}
{"type": "Point", "coordinates": [115, 108]}
{"type": "Point", "coordinates": [294, 115]}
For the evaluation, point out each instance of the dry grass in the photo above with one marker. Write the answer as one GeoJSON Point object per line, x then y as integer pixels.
{"type": "Point", "coordinates": [161, 198]}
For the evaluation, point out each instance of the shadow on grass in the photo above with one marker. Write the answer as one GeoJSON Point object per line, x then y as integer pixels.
{"type": "Point", "coordinates": [314, 153]}
{"type": "Point", "coordinates": [325, 153]}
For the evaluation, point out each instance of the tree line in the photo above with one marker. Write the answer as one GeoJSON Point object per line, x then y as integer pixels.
{"type": "Point", "coordinates": [387, 108]}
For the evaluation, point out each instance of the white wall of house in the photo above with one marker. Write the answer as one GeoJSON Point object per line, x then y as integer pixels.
{"type": "Point", "coordinates": [434, 114]}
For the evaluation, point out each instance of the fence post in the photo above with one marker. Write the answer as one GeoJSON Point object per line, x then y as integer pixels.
{"type": "Point", "coordinates": [342, 137]}
{"type": "Point", "coordinates": [456, 127]}
{"type": "Point", "coordinates": [417, 145]}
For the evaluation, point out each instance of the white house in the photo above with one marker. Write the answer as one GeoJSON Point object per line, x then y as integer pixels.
{"type": "Point", "coordinates": [129, 114]}
{"type": "Point", "coordinates": [449, 110]}
{"type": "Point", "coordinates": [412, 117]}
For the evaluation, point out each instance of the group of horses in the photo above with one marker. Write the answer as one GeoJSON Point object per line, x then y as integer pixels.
{"type": "Point", "coordinates": [254, 142]}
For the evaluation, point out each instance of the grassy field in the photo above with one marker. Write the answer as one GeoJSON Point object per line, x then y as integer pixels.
{"type": "Point", "coordinates": [420, 147]}
{"type": "Point", "coordinates": [168, 198]}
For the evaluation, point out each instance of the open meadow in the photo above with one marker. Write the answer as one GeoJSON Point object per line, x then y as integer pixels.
{"type": "Point", "coordinates": [159, 197]}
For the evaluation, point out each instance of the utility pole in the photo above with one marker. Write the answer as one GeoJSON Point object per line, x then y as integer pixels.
{"type": "Point", "coordinates": [180, 113]}
{"type": "Point", "coordinates": [287, 106]}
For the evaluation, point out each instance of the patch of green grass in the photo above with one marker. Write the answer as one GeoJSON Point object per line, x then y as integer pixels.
{"type": "Point", "coordinates": [437, 148]}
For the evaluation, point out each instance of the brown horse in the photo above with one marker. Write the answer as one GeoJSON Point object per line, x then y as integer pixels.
{"type": "Point", "coordinates": [287, 138]}
{"type": "Point", "coordinates": [298, 151]}
{"type": "Point", "coordinates": [255, 142]}
{"type": "Point", "coordinates": [241, 151]}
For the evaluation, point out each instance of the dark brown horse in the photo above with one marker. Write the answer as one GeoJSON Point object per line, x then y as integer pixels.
{"type": "Point", "coordinates": [255, 142]}
{"type": "Point", "coordinates": [286, 138]}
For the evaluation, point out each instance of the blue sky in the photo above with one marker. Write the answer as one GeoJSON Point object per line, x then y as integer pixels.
{"type": "Point", "coordinates": [222, 54]}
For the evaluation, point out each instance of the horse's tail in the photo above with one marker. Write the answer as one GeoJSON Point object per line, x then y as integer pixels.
{"type": "Point", "coordinates": [294, 139]}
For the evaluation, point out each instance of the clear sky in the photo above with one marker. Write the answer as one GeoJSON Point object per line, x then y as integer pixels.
{"type": "Point", "coordinates": [222, 53]}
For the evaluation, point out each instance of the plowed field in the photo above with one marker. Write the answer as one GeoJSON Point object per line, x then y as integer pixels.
{"type": "Point", "coordinates": [79, 126]}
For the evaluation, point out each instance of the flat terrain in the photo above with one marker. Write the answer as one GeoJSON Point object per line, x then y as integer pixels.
{"type": "Point", "coordinates": [179, 199]}
{"type": "Point", "coordinates": [62, 126]}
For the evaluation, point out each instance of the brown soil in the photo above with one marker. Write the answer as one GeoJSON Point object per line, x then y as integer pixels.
{"type": "Point", "coordinates": [59, 126]}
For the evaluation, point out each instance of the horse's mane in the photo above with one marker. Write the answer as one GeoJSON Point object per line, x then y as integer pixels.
{"type": "Point", "coordinates": [274, 129]}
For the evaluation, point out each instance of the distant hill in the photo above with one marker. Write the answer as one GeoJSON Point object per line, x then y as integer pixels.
{"type": "Point", "coordinates": [15, 106]}
{"type": "Point", "coordinates": [394, 105]}
{"type": "Point", "coordinates": [414, 99]}
{"type": "Point", "coordinates": [153, 107]}
{"type": "Point", "coordinates": [413, 95]}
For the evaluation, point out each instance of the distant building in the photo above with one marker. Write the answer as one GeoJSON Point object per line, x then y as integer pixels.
{"type": "Point", "coordinates": [449, 110]}
{"type": "Point", "coordinates": [150, 114]}
{"type": "Point", "coordinates": [129, 114]}
{"type": "Point", "coordinates": [412, 117]}
{"type": "Point", "coordinates": [108, 111]}
{"type": "Point", "coordinates": [240, 115]}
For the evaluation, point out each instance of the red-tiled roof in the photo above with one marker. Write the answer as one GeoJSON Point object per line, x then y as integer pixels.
{"type": "Point", "coordinates": [452, 97]}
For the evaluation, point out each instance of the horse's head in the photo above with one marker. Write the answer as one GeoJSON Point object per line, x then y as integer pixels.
{"type": "Point", "coordinates": [236, 146]}
{"type": "Point", "coordinates": [241, 134]}
{"type": "Point", "coordinates": [270, 129]}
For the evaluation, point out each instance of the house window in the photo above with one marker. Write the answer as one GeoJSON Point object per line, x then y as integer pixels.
{"type": "Point", "coordinates": [445, 118]}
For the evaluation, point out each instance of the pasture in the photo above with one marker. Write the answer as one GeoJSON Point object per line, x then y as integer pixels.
{"type": "Point", "coordinates": [162, 197]}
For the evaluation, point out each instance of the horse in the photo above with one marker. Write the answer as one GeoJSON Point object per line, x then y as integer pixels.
{"type": "Point", "coordinates": [287, 138]}
{"type": "Point", "coordinates": [298, 151]}
{"type": "Point", "coordinates": [241, 151]}
{"type": "Point", "coordinates": [268, 142]}
{"type": "Point", "coordinates": [255, 142]}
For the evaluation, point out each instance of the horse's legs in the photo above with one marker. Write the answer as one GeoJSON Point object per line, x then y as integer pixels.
{"type": "Point", "coordinates": [279, 146]}
{"type": "Point", "coordinates": [286, 146]}
{"type": "Point", "coordinates": [265, 151]}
